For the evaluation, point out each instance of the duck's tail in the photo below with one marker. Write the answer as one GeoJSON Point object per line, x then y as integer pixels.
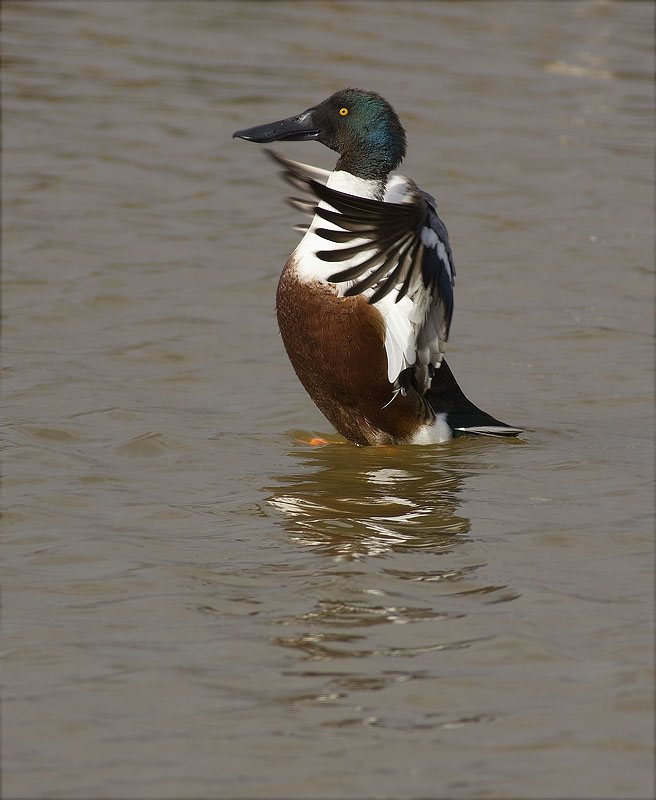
{"type": "Point", "coordinates": [462, 416]}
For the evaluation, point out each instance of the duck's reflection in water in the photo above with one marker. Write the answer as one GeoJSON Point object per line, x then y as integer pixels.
{"type": "Point", "coordinates": [405, 596]}
{"type": "Point", "coordinates": [349, 501]}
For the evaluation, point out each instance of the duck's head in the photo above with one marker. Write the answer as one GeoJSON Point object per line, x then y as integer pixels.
{"type": "Point", "coordinates": [361, 126]}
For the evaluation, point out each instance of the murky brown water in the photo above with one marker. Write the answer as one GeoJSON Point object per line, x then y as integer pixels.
{"type": "Point", "coordinates": [196, 605]}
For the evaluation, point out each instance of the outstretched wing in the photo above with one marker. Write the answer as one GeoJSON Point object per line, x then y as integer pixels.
{"type": "Point", "coordinates": [300, 177]}
{"type": "Point", "coordinates": [408, 259]}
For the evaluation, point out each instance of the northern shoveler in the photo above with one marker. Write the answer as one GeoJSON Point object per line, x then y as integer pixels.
{"type": "Point", "coordinates": [365, 301]}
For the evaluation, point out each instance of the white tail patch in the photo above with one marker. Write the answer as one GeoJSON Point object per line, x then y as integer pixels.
{"type": "Point", "coordinates": [439, 431]}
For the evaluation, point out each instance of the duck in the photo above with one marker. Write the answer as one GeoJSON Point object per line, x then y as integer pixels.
{"type": "Point", "coordinates": [365, 301]}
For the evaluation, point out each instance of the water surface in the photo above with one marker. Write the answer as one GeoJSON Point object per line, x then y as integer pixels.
{"type": "Point", "coordinates": [196, 604]}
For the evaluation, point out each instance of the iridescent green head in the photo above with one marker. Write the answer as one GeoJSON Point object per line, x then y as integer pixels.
{"type": "Point", "coordinates": [361, 126]}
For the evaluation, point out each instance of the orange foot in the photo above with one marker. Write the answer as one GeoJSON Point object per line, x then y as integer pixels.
{"type": "Point", "coordinates": [317, 441]}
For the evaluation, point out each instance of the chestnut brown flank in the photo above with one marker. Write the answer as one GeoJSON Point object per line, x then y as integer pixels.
{"type": "Point", "coordinates": [337, 348]}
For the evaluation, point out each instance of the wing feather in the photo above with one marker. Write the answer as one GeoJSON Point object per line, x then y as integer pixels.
{"type": "Point", "coordinates": [408, 270]}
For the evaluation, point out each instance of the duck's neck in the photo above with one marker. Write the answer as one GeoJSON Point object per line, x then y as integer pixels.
{"type": "Point", "coordinates": [376, 159]}
{"type": "Point", "coordinates": [344, 181]}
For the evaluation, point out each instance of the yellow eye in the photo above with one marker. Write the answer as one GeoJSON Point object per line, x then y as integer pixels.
{"type": "Point", "coordinates": [343, 112]}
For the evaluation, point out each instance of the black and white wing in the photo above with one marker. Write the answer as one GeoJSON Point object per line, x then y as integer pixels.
{"type": "Point", "coordinates": [300, 177]}
{"type": "Point", "coordinates": [408, 261]}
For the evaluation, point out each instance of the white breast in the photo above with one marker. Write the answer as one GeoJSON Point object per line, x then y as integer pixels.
{"type": "Point", "coordinates": [310, 268]}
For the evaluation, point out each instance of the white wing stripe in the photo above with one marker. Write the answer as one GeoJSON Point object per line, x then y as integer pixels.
{"type": "Point", "coordinates": [429, 239]}
{"type": "Point", "coordinates": [441, 252]}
